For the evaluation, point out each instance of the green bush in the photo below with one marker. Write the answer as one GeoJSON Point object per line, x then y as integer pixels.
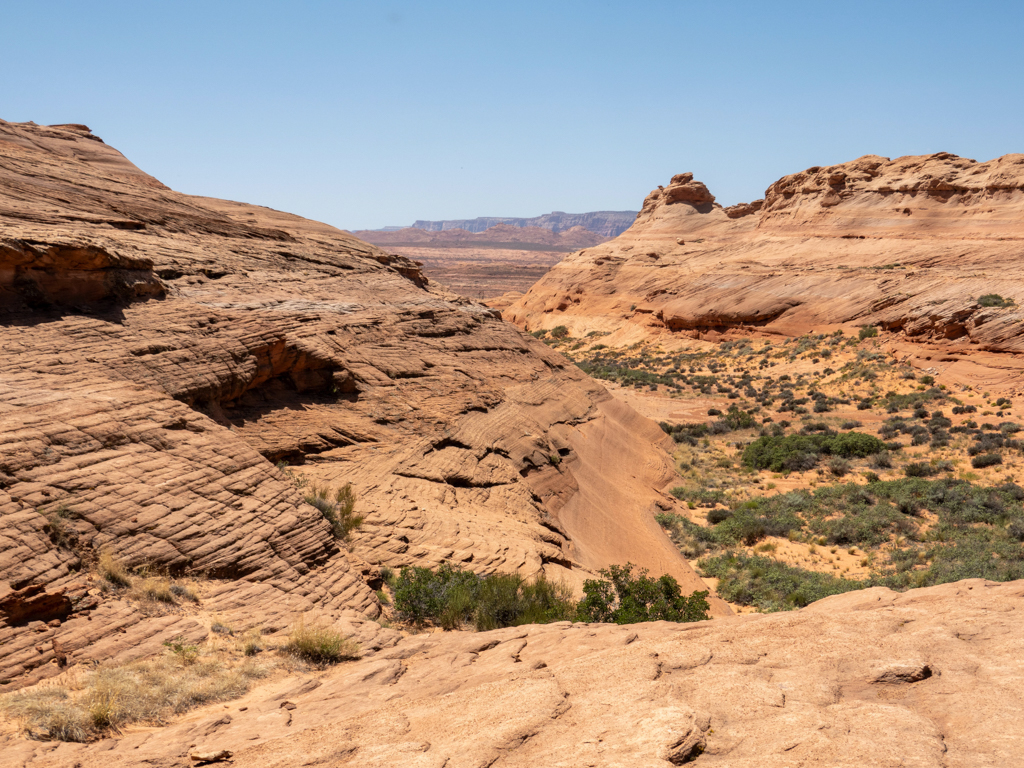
{"type": "Point", "coordinates": [801, 452]}
{"type": "Point", "coordinates": [560, 331]}
{"type": "Point", "coordinates": [622, 598]}
{"type": "Point", "coordinates": [451, 597]}
{"type": "Point", "coordinates": [986, 460]}
{"type": "Point", "coordinates": [994, 300]}
{"type": "Point", "coordinates": [867, 332]}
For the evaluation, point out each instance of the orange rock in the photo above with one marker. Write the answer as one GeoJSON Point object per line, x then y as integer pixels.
{"type": "Point", "coordinates": [163, 351]}
{"type": "Point", "coordinates": [908, 245]}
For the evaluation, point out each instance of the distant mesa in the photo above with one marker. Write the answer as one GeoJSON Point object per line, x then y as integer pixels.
{"type": "Point", "coordinates": [606, 223]}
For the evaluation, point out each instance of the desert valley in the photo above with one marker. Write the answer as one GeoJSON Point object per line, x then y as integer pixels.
{"type": "Point", "coordinates": [730, 486]}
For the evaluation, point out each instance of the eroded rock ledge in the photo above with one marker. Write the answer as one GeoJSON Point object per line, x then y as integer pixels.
{"type": "Point", "coordinates": [162, 351]}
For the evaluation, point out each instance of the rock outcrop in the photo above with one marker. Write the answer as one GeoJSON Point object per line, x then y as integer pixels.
{"type": "Point", "coordinates": [909, 245]}
{"type": "Point", "coordinates": [927, 678]}
{"type": "Point", "coordinates": [604, 223]}
{"type": "Point", "coordinates": [162, 351]}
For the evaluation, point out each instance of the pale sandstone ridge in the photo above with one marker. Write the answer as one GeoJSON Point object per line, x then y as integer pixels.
{"type": "Point", "coordinates": [161, 350]}
{"type": "Point", "coordinates": [907, 244]}
{"type": "Point", "coordinates": [930, 678]}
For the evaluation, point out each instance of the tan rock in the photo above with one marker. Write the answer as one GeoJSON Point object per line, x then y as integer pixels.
{"type": "Point", "coordinates": [163, 351]}
{"type": "Point", "coordinates": [908, 245]}
{"type": "Point", "coordinates": [777, 690]}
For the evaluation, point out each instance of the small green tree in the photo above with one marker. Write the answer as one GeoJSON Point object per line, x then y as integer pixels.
{"type": "Point", "coordinates": [622, 598]}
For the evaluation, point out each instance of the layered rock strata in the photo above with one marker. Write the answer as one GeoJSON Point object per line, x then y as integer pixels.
{"type": "Point", "coordinates": [909, 245]}
{"type": "Point", "coordinates": [163, 351]}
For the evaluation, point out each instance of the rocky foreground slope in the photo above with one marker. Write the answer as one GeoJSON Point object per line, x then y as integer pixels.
{"type": "Point", "coordinates": [163, 351]}
{"type": "Point", "coordinates": [909, 245]}
{"type": "Point", "coordinates": [927, 678]}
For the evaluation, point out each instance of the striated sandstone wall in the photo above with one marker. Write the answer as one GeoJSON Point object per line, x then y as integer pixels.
{"type": "Point", "coordinates": [162, 351]}
{"type": "Point", "coordinates": [907, 244]}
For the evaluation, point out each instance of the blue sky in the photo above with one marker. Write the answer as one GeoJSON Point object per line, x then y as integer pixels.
{"type": "Point", "coordinates": [371, 114]}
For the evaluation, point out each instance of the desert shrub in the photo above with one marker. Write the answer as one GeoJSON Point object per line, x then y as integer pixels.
{"type": "Point", "coordinates": [838, 467]}
{"type": "Point", "coordinates": [701, 497]}
{"type": "Point", "coordinates": [320, 644]}
{"type": "Point", "coordinates": [338, 508]}
{"type": "Point", "coordinates": [986, 460]}
{"type": "Point", "coordinates": [920, 469]}
{"type": "Point", "coordinates": [867, 332]}
{"type": "Point", "coordinates": [252, 643]}
{"type": "Point", "coordinates": [801, 452]}
{"type": "Point", "coordinates": [560, 331]}
{"type": "Point", "coordinates": [736, 418]}
{"type": "Point", "coordinates": [622, 598]}
{"type": "Point", "coordinates": [769, 585]}
{"type": "Point", "coordinates": [187, 653]}
{"type": "Point", "coordinates": [687, 433]}
{"type": "Point", "coordinates": [58, 524]}
{"type": "Point", "coordinates": [718, 515]}
{"type": "Point", "coordinates": [994, 300]}
{"type": "Point", "coordinates": [506, 600]}
{"type": "Point", "coordinates": [184, 592]}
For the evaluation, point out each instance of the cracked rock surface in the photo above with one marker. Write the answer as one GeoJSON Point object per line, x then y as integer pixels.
{"type": "Point", "coordinates": [931, 677]}
{"type": "Point", "coordinates": [163, 351]}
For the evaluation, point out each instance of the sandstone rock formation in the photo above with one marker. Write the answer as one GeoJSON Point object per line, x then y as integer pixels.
{"type": "Point", "coordinates": [927, 678]}
{"type": "Point", "coordinates": [162, 351]}
{"type": "Point", "coordinates": [505, 236]}
{"type": "Point", "coordinates": [604, 223]}
{"type": "Point", "coordinates": [908, 244]}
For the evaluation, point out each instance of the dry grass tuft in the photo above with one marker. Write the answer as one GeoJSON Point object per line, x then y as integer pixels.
{"type": "Point", "coordinates": [154, 588]}
{"type": "Point", "coordinates": [319, 644]}
{"type": "Point", "coordinates": [113, 570]}
{"type": "Point", "coordinates": [142, 692]}
{"type": "Point", "coordinates": [252, 643]}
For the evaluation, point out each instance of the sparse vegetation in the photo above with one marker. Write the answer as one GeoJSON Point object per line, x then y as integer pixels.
{"type": "Point", "coordinates": [994, 300]}
{"type": "Point", "coordinates": [320, 644]}
{"type": "Point", "coordinates": [111, 698]}
{"type": "Point", "coordinates": [769, 585]}
{"type": "Point", "coordinates": [113, 570]}
{"type": "Point", "coordinates": [338, 506]}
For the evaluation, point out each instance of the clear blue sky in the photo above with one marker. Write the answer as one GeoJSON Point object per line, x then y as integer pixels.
{"type": "Point", "coordinates": [371, 114]}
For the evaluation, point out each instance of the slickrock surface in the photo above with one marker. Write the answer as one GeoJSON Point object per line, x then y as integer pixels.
{"type": "Point", "coordinates": [927, 678]}
{"type": "Point", "coordinates": [162, 350]}
{"type": "Point", "coordinates": [908, 244]}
